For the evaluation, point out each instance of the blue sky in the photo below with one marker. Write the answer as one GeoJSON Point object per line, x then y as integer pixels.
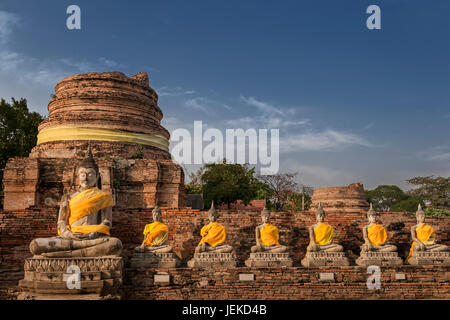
{"type": "Point", "coordinates": [351, 104]}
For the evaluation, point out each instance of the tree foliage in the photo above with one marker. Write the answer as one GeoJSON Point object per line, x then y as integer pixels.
{"type": "Point", "coordinates": [385, 196]}
{"type": "Point", "coordinates": [295, 201]}
{"type": "Point", "coordinates": [18, 130]}
{"type": "Point", "coordinates": [409, 205]}
{"type": "Point", "coordinates": [437, 212]}
{"type": "Point", "coordinates": [434, 189]}
{"type": "Point", "coordinates": [193, 189]}
{"type": "Point", "coordinates": [226, 183]}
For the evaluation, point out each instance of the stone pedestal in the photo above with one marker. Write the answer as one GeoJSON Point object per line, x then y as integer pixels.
{"type": "Point", "coordinates": [268, 260]}
{"type": "Point", "coordinates": [154, 260]}
{"type": "Point", "coordinates": [50, 278]}
{"type": "Point", "coordinates": [325, 259]}
{"type": "Point", "coordinates": [212, 260]}
{"type": "Point", "coordinates": [379, 259]}
{"type": "Point", "coordinates": [420, 258]}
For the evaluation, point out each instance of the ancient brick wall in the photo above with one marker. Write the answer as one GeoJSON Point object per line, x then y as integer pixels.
{"type": "Point", "coordinates": [288, 283]}
{"type": "Point", "coordinates": [18, 228]}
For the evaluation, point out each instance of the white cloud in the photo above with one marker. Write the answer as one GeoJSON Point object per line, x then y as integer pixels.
{"type": "Point", "coordinates": [319, 176]}
{"type": "Point", "coordinates": [205, 104]}
{"type": "Point", "coordinates": [22, 69]}
{"type": "Point", "coordinates": [261, 105]}
{"type": "Point", "coordinates": [7, 22]}
{"type": "Point", "coordinates": [436, 154]}
{"type": "Point", "coordinates": [110, 63]}
{"type": "Point", "coordinates": [368, 126]}
{"type": "Point", "coordinates": [269, 116]}
{"type": "Point", "coordinates": [326, 140]}
{"type": "Point", "coordinates": [81, 66]}
{"type": "Point", "coordinates": [173, 92]}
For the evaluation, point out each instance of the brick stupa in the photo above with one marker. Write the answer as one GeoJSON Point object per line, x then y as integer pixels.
{"type": "Point", "coordinates": [341, 199]}
{"type": "Point", "coordinates": [119, 117]}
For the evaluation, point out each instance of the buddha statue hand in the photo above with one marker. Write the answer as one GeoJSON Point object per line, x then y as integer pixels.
{"type": "Point", "coordinates": [91, 235]}
{"type": "Point", "coordinates": [420, 246]}
{"type": "Point", "coordinates": [69, 235]}
{"type": "Point", "coordinates": [64, 201]}
{"type": "Point", "coordinates": [368, 246]}
{"type": "Point", "coordinates": [256, 248]}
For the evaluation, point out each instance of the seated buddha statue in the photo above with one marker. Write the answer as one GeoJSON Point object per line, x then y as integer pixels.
{"type": "Point", "coordinates": [423, 236]}
{"type": "Point", "coordinates": [321, 235]}
{"type": "Point", "coordinates": [267, 236]}
{"type": "Point", "coordinates": [84, 220]}
{"type": "Point", "coordinates": [375, 235]}
{"type": "Point", "coordinates": [155, 235]}
{"type": "Point", "coordinates": [213, 235]}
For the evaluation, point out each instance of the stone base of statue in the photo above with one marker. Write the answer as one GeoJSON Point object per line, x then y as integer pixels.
{"type": "Point", "coordinates": [325, 259]}
{"type": "Point", "coordinates": [154, 260]}
{"type": "Point", "coordinates": [71, 278]}
{"type": "Point", "coordinates": [371, 258]}
{"type": "Point", "coordinates": [420, 258]}
{"type": "Point", "coordinates": [268, 260]}
{"type": "Point", "coordinates": [213, 260]}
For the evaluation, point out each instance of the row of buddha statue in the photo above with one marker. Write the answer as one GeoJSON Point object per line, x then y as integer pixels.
{"type": "Point", "coordinates": [85, 220]}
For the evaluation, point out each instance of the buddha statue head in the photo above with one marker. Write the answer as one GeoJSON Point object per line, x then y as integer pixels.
{"type": "Point", "coordinates": [320, 213]}
{"type": "Point", "coordinates": [87, 171]}
{"type": "Point", "coordinates": [420, 214]}
{"type": "Point", "coordinates": [265, 215]}
{"type": "Point", "coordinates": [156, 213]}
{"type": "Point", "coordinates": [371, 214]}
{"type": "Point", "coordinates": [212, 213]}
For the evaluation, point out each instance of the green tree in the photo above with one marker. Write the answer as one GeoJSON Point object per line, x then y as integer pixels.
{"type": "Point", "coordinates": [408, 205]}
{"type": "Point", "coordinates": [193, 189]}
{"type": "Point", "coordinates": [263, 191]}
{"type": "Point", "coordinates": [195, 185]}
{"type": "Point", "coordinates": [385, 196]}
{"type": "Point", "coordinates": [18, 131]}
{"type": "Point", "coordinates": [434, 189]}
{"type": "Point", "coordinates": [295, 201]}
{"type": "Point", "coordinates": [227, 183]}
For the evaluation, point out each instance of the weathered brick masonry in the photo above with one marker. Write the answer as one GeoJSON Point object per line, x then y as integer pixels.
{"type": "Point", "coordinates": [18, 228]}
{"type": "Point", "coordinates": [288, 283]}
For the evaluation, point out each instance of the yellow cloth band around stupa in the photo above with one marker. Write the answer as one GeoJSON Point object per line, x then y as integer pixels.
{"type": "Point", "coordinates": [60, 133]}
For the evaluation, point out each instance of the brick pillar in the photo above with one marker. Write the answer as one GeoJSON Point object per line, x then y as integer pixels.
{"type": "Point", "coordinates": [20, 180]}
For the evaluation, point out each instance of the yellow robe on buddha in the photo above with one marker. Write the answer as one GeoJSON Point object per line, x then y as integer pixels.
{"type": "Point", "coordinates": [425, 234]}
{"type": "Point", "coordinates": [323, 233]}
{"type": "Point", "coordinates": [86, 203]}
{"type": "Point", "coordinates": [213, 234]}
{"type": "Point", "coordinates": [377, 234]}
{"type": "Point", "coordinates": [156, 233]}
{"type": "Point", "coordinates": [268, 235]}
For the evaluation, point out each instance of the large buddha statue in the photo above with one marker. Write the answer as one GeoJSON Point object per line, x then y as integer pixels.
{"type": "Point", "coordinates": [267, 236]}
{"type": "Point", "coordinates": [423, 236]}
{"type": "Point", "coordinates": [375, 235]}
{"type": "Point", "coordinates": [84, 221]}
{"type": "Point", "coordinates": [155, 235]}
{"type": "Point", "coordinates": [213, 235]}
{"type": "Point", "coordinates": [321, 235]}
